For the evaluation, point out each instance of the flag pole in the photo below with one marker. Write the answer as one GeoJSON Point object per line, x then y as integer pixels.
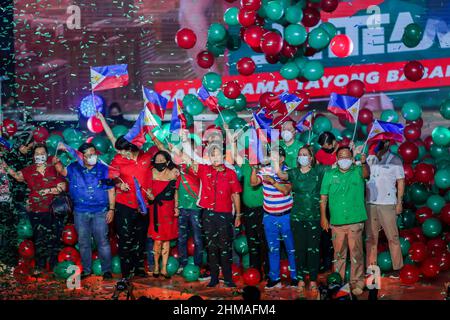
{"type": "Point", "coordinates": [356, 123]}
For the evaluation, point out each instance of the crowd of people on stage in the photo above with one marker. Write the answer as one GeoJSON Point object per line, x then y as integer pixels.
{"type": "Point", "coordinates": [318, 204]}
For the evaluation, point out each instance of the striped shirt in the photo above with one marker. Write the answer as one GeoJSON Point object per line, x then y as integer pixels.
{"type": "Point", "coordinates": [275, 201]}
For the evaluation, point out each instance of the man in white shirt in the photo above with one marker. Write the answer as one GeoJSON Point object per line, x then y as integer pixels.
{"type": "Point", "coordinates": [385, 191]}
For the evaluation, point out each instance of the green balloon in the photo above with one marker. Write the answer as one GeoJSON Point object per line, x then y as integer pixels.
{"type": "Point", "coordinates": [295, 34]}
{"type": "Point", "coordinates": [413, 33]}
{"type": "Point", "coordinates": [389, 116]}
{"type": "Point", "coordinates": [313, 70]}
{"type": "Point", "coordinates": [318, 38]}
{"type": "Point", "coordinates": [406, 220]}
{"type": "Point", "coordinates": [418, 193]}
{"type": "Point", "coordinates": [334, 278]}
{"type": "Point", "coordinates": [441, 136]}
{"type": "Point", "coordinates": [240, 245]}
{"type": "Point", "coordinates": [384, 261]}
{"type": "Point", "coordinates": [442, 178]}
{"type": "Point", "coordinates": [290, 71]}
{"type": "Point", "coordinates": [106, 157]}
{"type": "Point", "coordinates": [61, 270]}
{"type": "Point", "coordinates": [172, 266]}
{"type": "Point", "coordinates": [191, 260]}
{"type": "Point", "coordinates": [230, 17]}
{"type": "Point", "coordinates": [216, 32]}
{"type": "Point", "coordinates": [173, 243]}
{"type": "Point", "coordinates": [294, 14]}
{"type": "Point", "coordinates": [445, 109]}
{"type": "Point", "coordinates": [97, 267]}
{"type": "Point", "coordinates": [435, 202]}
{"type": "Point", "coordinates": [404, 245]}
{"type": "Point", "coordinates": [432, 228]}
{"type": "Point", "coordinates": [217, 49]}
{"type": "Point", "coordinates": [407, 260]}
{"type": "Point", "coordinates": [189, 98]}
{"type": "Point", "coordinates": [274, 10]}
{"type": "Point", "coordinates": [411, 111]}
{"type": "Point", "coordinates": [347, 133]}
{"type": "Point", "coordinates": [72, 135]}
{"type": "Point", "coordinates": [337, 134]}
{"type": "Point", "coordinates": [246, 261]}
{"type": "Point", "coordinates": [53, 141]}
{"type": "Point", "coordinates": [119, 130]}
{"type": "Point", "coordinates": [240, 103]}
{"type": "Point", "coordinates": [329, 28]}
{"type": "Point", "coordinates": [194, 108]}
{"type": "Point", "coordinates": [447, 196]}
{"type": "Point", "coordinates": [301, 63]}
{"type": "Point", "coordinates": [115, 265]}
{"type": "Point", "coordinates": [101, 143]}
{"type": "Point", "coordinates": [237, 124]}
{"type": "Point", "coordinates": [191, 273]}
{"type": "Point", "coordinates": [322, 124]}
{"type": "Point", "coordinates": [224, 101]}
{"type": "Point", "coordinates": [438, 152]}
{"type": "Point", "coordinates": [410, 43]}
{"type": "Point", "coordinates": [24, 229]}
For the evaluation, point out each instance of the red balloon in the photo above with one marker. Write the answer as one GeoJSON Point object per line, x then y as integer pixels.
{"type": "Point", "coordinates": [418, 235]}
{"type": "Point", "coordinates": [69, 254]}
{"type": "Point", "coordinates": [423, 214]}
{"type": "Point", "coordinates": [69, 235]}
{"type": "Point", "coordinates": [10, 127]}
{"type": "Point", "coordinates": [251, 4]}
{"type": "Point", "coordinates": [190, 246]}
{"type": "Point", "coordinates": [430, 268]}
{"type": "Point", "coordinates": [236, 272]}
{"type": "Point", "coordinates": [424, 173]}
{"type": "Point", "coordinates": [407, 234]}
{"type": "Point", "coordinates": [231, 89]}
{"type": "Point", "coordinates": [412, 132]}
{"type": "Point", "coordinates": [365, 116]}
{"type": "Point", "coordinates": [311, 17]}
{"type": "Point", "coordinates": [94, 255]}
{"type": "Point", "coordinates": [205, 59]}
{"type": "Point", "coordinates": [308, 51]}
{"type": "Point", "coordinates": [246, 66]}
{"type": "Point", "coordinates": [409, 173]}
{"type": "Point", "coordinates": [409, 274]}
{"type": "Point", "coordinates": [445, 214]}
{"type": "Point", "coordinates": [260, 21]}
{"type": "Point", "coordinates": [288, 50]}
{"type": "Point", "coordinates": [341, 45]}
{"type": "Point", "coordinates": [252, 277]}
{"type": "Point", "coordinates": [185, 38]}
{"type": "Point", "coordinates": [174, 252]}
{"type": "Point", "coordinates": [40, 134]}
{"type": "Point", "coordinates": [114, 244]}
{"type": "Point", "coordinates": [356, 88]}
{"type": "Point", "coordinates": [94, 125]}
{"type": "Point", "coordinates": [30, 263]}
{"type": "Point", "coordinates": [267, 99]}
{"type": "Point", "coordinates": [284, 269]}
{"type": "Point", "coordinates": [428, 141]}
{"type": "Point", "coordinates": [418, 252]}
{"type": "Point", "coordinates": [436, 246]}
{"type": "Point", "coordinates": [414, 70]}
{"type": "Point", "coordinates": [26, 249]}
{"type": "Point", "coordinates": [329, 5]}
{"type": "Point", "coordinates": [246, 17]}
{"type": "Point", "coordinates": [272, 59]}
{"type": "Point", "coordinates": [444, 260]}
{"type": "Point", "coordinates": [253, 35]}
{"type": "Point", "coordinates": [417, 123]}
{"type": "Point", "coordinates": [271, 43]}
{"type": "Point", "coordinates": [409, 151]}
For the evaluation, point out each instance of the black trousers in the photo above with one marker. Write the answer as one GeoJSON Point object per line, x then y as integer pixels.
{"type": "Point", "coordinates": [47, 231]}
{"type": "Point", "coordinates": [8, 235]}
{"type": "Point", "coordinates": [256, 239]}
{"type": "Point", "coordinates": [131, 228]}
{"type": "Point", "coordinates": [218, 230]}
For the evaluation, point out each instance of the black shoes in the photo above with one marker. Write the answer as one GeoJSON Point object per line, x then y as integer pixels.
{"type": "Point", "coordinates": [213, 283]}
{"type": "Point", "coordinates": [140, 273]}
{"type": "Point", "coordinates": [273, 284]}
{"type": "Point", "coordinates": [230, 284]}
{"type": "Point", "coordinates": [107, 276]}
{"type": "Point", "coordinates": [85, 275]}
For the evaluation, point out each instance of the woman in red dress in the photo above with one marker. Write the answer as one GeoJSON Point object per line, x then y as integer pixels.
{"type": "Point", "coordinates": [163, 225]}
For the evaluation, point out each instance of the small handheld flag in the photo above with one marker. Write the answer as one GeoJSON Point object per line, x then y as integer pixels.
{"type": "Point", "coordinates": [262, 121]}
{"type": "Point", "coordinates": [144, 123]}
{"type": "Point", "coordinates": [155, 102]}
{"type": "Point", "coordinates": [77, 155]}
{"type": "Point", "coordinates": [109, 77]}
{"type": "Point", "coordinates": [305, 123]}
{"type": "Point", "coordinates": [210, 101]}
{"type": "Point", "coordinates": [178, 120]}
{"type": "Point", "coordinates": [140, 197]}
{"type": "Point", "coordinates": [344, 106]}
{"type": "Point", "coordinates": [382, 130]}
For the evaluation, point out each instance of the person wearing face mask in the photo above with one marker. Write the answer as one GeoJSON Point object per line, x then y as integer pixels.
{"type": "Point", "coordinates": [116, 115]}
{"type": "Point", "coordinates": [326, 155]}
{"type": "Point", "coordinates": [164, 211]}
{"type": "Point", "coordinates": [93, 198]}
{"type": "Point", "coordinates": [44, 183]}
{"type": "Point", "coordinates": [289, 142]}
{"type": "Point", "coordinates": [306, 180]}
{"type": "Point", "coordinates": [343, 188]}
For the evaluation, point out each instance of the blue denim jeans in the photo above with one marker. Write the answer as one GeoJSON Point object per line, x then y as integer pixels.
{"type": "Point", "coordinates": [88, 225]}
{"type": "Point", "coordinates": [192, 218]}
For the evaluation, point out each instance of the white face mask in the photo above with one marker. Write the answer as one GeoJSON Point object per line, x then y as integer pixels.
{"type": "Point", "coordinates": [92, 160]}
{"type": "Point", "coordinates": [344, 164]}
{"type": "Point", "coordinates": [304, 161]}
{"type": "Point", "coordinates": [286, 135]}
{"type": "Point", "coordinates": [40, 159]}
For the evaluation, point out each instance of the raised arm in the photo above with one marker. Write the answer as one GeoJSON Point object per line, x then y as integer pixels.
{"type": "Point", "coordinates": [365, 166]}
{"type": "Point", "coordinates": [16, 175]}
{"type": "Point", "coordinates": [157, 143]}
{"type": "Point", "coordinates": [60, 168]}
{"type": "Point", "coordinates": [107, 128]}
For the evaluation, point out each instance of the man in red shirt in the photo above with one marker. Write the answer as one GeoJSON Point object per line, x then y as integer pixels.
{"type": "Point", "coordinates": [219, 192]}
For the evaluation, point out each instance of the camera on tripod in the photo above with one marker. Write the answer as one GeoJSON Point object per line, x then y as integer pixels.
{"type": "Point", "coordinates": [123, 286]}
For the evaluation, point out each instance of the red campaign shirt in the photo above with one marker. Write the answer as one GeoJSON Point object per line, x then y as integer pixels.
{"type": "Point", "coordinates": [217, 187]}
{"type": "Point", "coordinates": [189, 178]}
{"type": "Point", "coordinates": [325, 158]}
{"type": "Point", "coordinates": [126, 169]}
{"type": "Point", "coordinates": [36, 181]}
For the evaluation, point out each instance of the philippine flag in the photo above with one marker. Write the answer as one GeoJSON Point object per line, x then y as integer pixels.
{"type": "Point", "coordinates": [344, 106]}
{"type": "Point", "coordinates": [155, 102]}
{"type": "Point", "coordinates": [305, 123]}
{"type": "Point", "coordinates": [109, 77]}
{"type": "Point", "coordinates": [178, 120]}
{"type": "Point", "coordinates": [255, 147]}
{"type": "Point", "coordinates": [263, 123]}
{"type": "Point", "coordinates": [76, 155]}
{"type": "Point", "coordinates": [289, 103]}
{"type": "Point", "coordinates": [382, 130]}
{"type": "Point", "coordinates": [210, 101]}
{"type": "Point", "coordinates": [144, 123]}
{"type": "Point", "coordinates": [140, 197]}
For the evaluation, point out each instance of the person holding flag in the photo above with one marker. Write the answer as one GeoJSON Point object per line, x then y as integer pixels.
{"type": "Point", "coordinates": [93, 197]}
{"type": "Point", "coordinates": [290, 143]}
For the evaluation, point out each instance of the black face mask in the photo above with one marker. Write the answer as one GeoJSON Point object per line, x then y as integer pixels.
{"type": "Point", "coordinates": [118, 117]}
{"type": "Point", "coordinates": [160, 166]}
{"type": "Point", "coordinates": [328, 150]}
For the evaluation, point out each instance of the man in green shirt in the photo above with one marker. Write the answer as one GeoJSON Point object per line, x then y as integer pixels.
{"type": "Point", "coordinates": [253, 220]}
{"type": "Point", "coordinates": [289, 143]}
{"type": "Point", "coordinates": [344, 188]}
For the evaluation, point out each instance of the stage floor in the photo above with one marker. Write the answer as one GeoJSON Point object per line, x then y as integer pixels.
{"type": "Point", "coordinates": [94, 288]}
